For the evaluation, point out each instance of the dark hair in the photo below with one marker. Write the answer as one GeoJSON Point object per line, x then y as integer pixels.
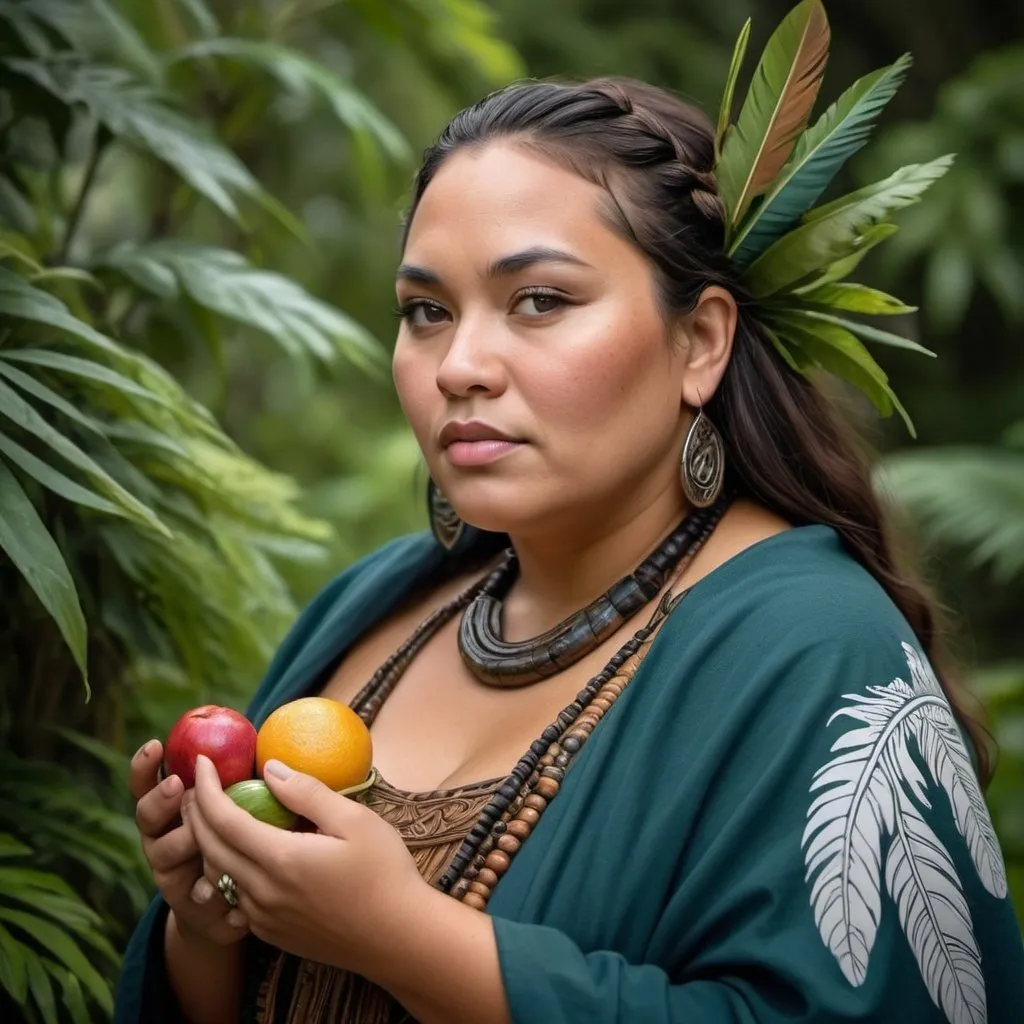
{"type": "Point", "coordinates": [654, 155]}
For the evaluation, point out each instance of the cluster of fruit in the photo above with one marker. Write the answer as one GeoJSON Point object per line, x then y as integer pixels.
{"type": "Point", "coordinates": [314, 735]}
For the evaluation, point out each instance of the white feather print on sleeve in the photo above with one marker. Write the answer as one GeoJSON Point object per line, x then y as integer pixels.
{"type": "Point", "coordinates": [865, 829]}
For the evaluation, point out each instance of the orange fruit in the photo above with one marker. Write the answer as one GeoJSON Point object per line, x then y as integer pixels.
{"type": "Point", "coordinates": [318, 736]}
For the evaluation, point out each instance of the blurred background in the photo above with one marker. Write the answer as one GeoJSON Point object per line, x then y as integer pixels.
{"type": "Point", "coordinates": [199, 211]}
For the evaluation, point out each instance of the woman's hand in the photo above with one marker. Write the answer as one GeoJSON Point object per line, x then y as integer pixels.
{"type": "Point", "coordinates": [339, 896]}
{"type": "Point", "coordinates": [170, 848]}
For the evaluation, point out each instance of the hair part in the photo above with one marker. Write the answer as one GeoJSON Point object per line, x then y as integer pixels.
{"type": "Point", "coordinates": [786, 447]}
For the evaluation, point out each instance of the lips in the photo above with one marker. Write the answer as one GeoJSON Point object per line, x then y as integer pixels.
{"type": "Point", "coordinates": [472, 430]}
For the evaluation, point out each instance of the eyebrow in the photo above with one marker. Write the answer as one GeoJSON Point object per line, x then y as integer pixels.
{"type": "Point", "coordinates": [501, 267]}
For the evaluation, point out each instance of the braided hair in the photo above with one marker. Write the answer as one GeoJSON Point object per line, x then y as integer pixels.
{"type": "Point", "coordinates": [653, 155]}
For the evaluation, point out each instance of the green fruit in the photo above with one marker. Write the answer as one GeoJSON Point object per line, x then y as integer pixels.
{"type": "Point", "coordinates": [252, 795]}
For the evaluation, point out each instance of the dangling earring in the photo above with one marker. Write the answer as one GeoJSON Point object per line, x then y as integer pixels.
{"type": "Point", "coordinates": [445, 523]}
{"type": "Point", "coordinates": [702, 467]}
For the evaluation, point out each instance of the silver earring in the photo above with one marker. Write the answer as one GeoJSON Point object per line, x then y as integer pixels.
{"type": "Point", "coordinates": [702, 467]}
{"type": "Point", "coordinates": [445, 523]}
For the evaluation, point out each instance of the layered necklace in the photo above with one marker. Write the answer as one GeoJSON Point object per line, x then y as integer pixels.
{"type": "Point", "coordinates": [519, 799]}
{"type": "Point", "coordinates": [497, 662]}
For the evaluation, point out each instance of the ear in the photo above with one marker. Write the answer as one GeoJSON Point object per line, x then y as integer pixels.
{"type": "Point", "coordinates": [707, 333]}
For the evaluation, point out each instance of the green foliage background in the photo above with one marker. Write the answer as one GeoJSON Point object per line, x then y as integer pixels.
{"type": "Point", "coordinates": [199, 208]}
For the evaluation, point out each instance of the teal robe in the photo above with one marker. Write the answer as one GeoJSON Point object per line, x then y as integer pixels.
{"type": "Point", "coordinates": [778, 820]}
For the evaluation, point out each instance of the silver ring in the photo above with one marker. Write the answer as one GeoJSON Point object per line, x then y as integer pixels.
{"type": "Point", "coordinates": [227, 888]}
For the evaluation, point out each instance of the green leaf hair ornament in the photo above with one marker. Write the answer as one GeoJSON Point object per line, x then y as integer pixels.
{"type": "Point", "coordinates": [773, 165]}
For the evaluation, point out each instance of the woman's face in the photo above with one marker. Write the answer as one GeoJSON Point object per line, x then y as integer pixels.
{"type": "Point", "coordinates": [532, 362]}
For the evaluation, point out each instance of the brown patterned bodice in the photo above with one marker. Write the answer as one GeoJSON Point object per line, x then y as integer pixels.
{"type": "Point", "coordinates": [432, 825]}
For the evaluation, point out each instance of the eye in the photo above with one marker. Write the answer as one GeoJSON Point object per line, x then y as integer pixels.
{"type": "Point", "coordinates": [538, 303]}
{"type": "Point", "coordinates": [423, 313]}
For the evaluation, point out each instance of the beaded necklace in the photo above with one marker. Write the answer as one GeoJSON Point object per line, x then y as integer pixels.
{"type": "Point", "coordinates": [520, 799]}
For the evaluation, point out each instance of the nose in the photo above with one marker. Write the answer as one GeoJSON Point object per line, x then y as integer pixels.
{"type": "Point", "coordinates": [472, 364]}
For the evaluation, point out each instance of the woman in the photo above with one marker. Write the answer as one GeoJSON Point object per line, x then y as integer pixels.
{"type": "Point", "coordinates": [744, 796]}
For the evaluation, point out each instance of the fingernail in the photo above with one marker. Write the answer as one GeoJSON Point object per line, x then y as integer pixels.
{"type": "Point", "coordinates": [171, 786]}
{"type": "Point", "coordinates": [278, 769]}
{"type": "Point", "coordinates": [146, 749]}
{"type": "Point", "coordinates": [237, 919]}
{"type": "Point", "coordinates": [202, 891]}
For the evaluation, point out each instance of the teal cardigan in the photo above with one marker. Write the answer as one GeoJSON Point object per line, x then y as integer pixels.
{"type": "Point", "coordinates": [777, 822]}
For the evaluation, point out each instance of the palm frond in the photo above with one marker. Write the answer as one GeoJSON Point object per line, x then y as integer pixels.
{"type": "Point", "coordinates": [971, 499]}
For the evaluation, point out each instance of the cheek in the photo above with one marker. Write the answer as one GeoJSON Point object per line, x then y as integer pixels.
{"type": "Point", "coordinates": [415, 383]}
{"type": "Point", "coordinates": [614, 379]}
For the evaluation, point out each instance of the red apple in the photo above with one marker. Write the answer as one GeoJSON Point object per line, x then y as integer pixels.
{"type": "Point", "coordinates": [223, 735]}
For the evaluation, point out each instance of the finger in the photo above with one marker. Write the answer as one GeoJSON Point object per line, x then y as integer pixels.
{"type": "Point", "coordinates": [332, 813]}
{"type": "Point", "coordinates": [173, 850]}
{"type": "Point", "coordinates": [219, 857]}
{"type": "Point", "coordinates": [234, 828]}
{"type": "Point", "coordinates": [145, 767]}
{"type": "Point", "coordinates": [159, 808]}
{"type": "Point", "coordinates": [203, 891]}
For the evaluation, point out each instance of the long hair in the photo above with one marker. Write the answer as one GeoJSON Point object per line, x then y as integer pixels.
{"type": "Point", "coordinates": [787, 449]}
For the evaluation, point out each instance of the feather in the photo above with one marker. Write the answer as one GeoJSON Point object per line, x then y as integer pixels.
{"type": "Point", "coordinates": [725, 112]}
{"type": "Point", "coordinates": [776, 109]}
{"type": "Point", "coordinates": [818, 155]}
{"type": "Point", "coordinates": [942, 748]}
{"type": "Point", "coordinates": [838, 229]}
{"type": "Point", "coordinates": [935, 917]}
{"type": "Point", "coordinates": [846, 821]}
{"type": "Point", "coordinates": [864, 825]}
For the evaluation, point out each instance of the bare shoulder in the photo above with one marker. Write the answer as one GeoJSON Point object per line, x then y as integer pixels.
{"type": "Point", "coordinates": [743, 525]}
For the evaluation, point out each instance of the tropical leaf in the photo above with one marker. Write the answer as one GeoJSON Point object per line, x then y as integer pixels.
{"type": "Point", "coordinates": [818, 155]}
{"type": "Point", "coordinates": [842, 268]}
{"type": "Point", "coordinates": [85, 368]}
{"type": "Point", "coordinates": [21, 413]}
{"type": "Point", "coordinates": [917, 872]}
{"type": "Point", "coordinates": [45, 394]}
{"type": "Point", "coordinates": [71, 994]}
{"type": "Point", "coordinates": [725, 111]}
{"type": "Point", "coordinates": [226, 283]}
{"type": "Point", "coordinates": [53, 480]}
{"type": "Point", "coordinates": [10, 847]}
{"type": "Point", "coordinates": [98, 30]}
{"type": "Point", "coordinates": [303, 76]}
{"type": "Point", "coordinates": [41, 990]}
{"type": "Point", "coordinates": [834, 349]}
{"type": "Point", "coordinates": [145, 118]}
{"type": "Point", "coordinates": [202, 17]}
{"type": "Point", "coordinates": [65, 949]}
{"type": "Point", "coordinates": [964, 498]}
{"type": "Point", "coordinates": [19, 300]}
{"type": "Point", "coordinates": [856, 298]}
{"type": "Point", "coordinates": [812, 317]}
{"type": "Point", "coordinates": [777, 108]}
{"type": "Point", "coordinates": [29, 545]}
{"type": "Point", "coordinates": [838, 229]}
{"type": "Point", "coordinates": [13, 966]}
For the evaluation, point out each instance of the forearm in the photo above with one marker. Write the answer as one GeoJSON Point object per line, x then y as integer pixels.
{"type": "Point", "coordinates": [443, 967]}
{"type": "Point", "coordinates": [206, 977]}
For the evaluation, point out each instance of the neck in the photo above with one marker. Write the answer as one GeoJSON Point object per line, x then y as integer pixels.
{"type": "Point", "coordinates": [559, 573]}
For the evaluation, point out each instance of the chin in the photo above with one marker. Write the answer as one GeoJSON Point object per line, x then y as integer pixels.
{"type": "Point", "coordinates": [509, 513]}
